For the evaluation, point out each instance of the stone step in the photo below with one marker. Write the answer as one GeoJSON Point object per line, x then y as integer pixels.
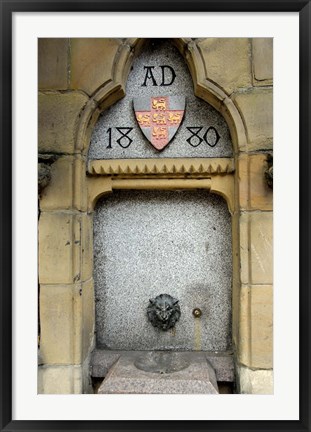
{"type": "Point", "coordinates": [160, 373]}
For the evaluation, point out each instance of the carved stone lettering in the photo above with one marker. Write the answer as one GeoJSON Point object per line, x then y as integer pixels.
{"type": "Point", "coordinates": [149, 75]}
{"type": "Point", "coordinates": [160, 72]}
{"type": "Point", "coordinates": [168, 76]}
{"type": "Point", "coordinates": [166, 79]}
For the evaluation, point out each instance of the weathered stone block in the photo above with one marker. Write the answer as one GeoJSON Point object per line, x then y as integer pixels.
{"type": "Point", "coordinates": [255, 381]}
{"type": "Point", "coordinates": [56, 240]}
{"type": "Point", "coordinates": [255, 194]}
{"type": "Point", "coordinates": [256, 247]}
{"type": "Point", "coordinates": [67, 187]}
{"type": "Point", "coordinates": [227, 62]}
{"type": "Point", "coordinates": [88, 317]}
{"type": "Point", "coordinates": [61, 324]}
{"type": "Point", "coordinates": [262, 60]}
{"type": "Point", "coordinates": [59, 380]}
{"type": "Point", "coordinates": [53, 63]}
{"type": "Point", "coordinates": [262, 327]}
{"type": "Point", "coordinates": [256, 108]}
{"type": "Point", "coordinates": [256, 323]}
{"type": "Point", "coordinates": [92, 61]}
{"type": "Point", "coordinates": [244, 248]}
{"type": "Point", "coordinates": [58, 119]}
{"type": "Point", "coordinates": [79, 184]}
{"type": "Point", "coordinates": [244, 338]}
{"type": "Point", "coordinates": [87, 246]}
{"type": "Point", "coordinates": [261, 248]}
{"type": "Point", "coordinates": [59, 192]}
{"type": "Point", "coordinates": [102, 361]}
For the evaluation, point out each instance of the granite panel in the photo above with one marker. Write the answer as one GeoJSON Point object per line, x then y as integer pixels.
{"type": "Point", "coordinates": [148, 243]}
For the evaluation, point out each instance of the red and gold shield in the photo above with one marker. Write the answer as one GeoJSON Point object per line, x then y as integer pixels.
{"type": "Point", "coordinates": [159, 117]}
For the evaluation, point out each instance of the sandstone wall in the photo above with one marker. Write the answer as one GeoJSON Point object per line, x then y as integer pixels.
{"type": "Point", "coordinates": [72, 75]}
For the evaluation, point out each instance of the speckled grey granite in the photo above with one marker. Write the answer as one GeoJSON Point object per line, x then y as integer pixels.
{"type": "Point", "coordinates": [149, 243]}
{"type": "Point", "coordinates": [102, 360]}
{"type": "Point", "coordinates": [197, 114]}
{"type": "Point", "coordinates": [223, 366]}
{"type": "Point", "coordinates": [125, 378]}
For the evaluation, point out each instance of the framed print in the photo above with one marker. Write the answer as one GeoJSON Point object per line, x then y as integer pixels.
{"type": "Point", "coordinates": [154, 271]}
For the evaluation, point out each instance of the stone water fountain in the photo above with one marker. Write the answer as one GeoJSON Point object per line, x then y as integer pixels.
{"type": "Point", "coordinates": [161, 371]}
{"type": "Point", "coordinates": [162, 258]}
{"type": "Point", "coordinates": [150, 340]}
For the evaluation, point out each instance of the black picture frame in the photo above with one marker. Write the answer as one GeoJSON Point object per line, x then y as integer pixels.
{"type": "Point", "coordinates": [7, 9]}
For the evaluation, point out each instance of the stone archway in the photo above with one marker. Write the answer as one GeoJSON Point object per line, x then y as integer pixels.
{"type": "Point", "coordinates": [213, 174]}
{"type": "Point", "coordinates": [85, 190]}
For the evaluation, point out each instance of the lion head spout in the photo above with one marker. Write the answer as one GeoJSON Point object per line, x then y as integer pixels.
{"type": "Point", "coordinates": [163, 311]}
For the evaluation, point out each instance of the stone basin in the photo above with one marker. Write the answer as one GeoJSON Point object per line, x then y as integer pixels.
{"type": "Point", "coordinates": [160, 372]}
{"type": "Point", "coordinates": [161, 362]}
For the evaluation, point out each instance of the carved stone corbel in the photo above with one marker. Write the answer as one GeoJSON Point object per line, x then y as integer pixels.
{"type": "Point", "coordinates": [269, 171]}
{"type": "Point", "coordinates": [44, 170]}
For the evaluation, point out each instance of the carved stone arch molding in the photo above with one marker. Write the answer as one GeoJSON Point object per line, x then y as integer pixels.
{"type": "Point", "coordinates": [113, 90]}
{"type": "Point", "coordinates": [218, 172]}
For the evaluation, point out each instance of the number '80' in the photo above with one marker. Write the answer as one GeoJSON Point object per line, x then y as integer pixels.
{"type": "Point", "coordinates": [211, 136]}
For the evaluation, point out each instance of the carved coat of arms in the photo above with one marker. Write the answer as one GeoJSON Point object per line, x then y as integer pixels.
{"type": "Point", "coordinates": [159, 117]}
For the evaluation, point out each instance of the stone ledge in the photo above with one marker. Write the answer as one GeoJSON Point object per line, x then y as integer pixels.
{"type": "Point", "coordinates": [160, 373]}
{"type": "Point", "coordinates": [176, 167]}
{"type": "Point", "coordinates": [102, 360]}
